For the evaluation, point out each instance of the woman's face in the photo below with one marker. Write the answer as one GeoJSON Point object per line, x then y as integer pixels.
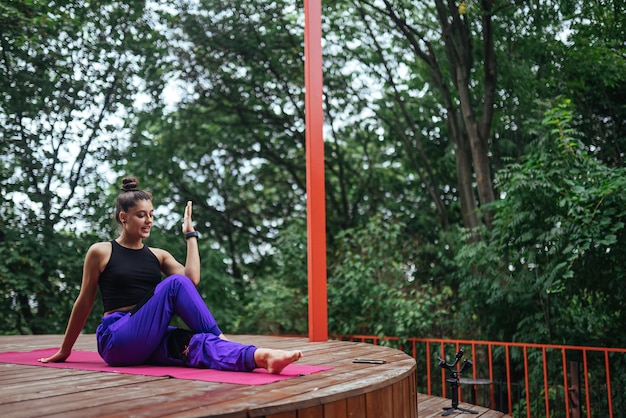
{"type": "Point", "coordinates": [137, 221]}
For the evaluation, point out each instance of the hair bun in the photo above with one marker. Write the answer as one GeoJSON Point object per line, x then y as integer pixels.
{"type": "Point", "coordinates": [130, 184]}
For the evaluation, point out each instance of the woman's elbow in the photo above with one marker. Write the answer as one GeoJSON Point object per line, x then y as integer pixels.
{"type": "Point", "coordinates": [193, 276]}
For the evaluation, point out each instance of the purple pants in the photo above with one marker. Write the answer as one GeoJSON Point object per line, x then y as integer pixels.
{"type": "Point", "coordinates": [126, 339]}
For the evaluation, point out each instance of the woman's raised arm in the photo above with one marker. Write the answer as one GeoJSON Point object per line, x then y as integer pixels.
{"type": "Point", "coordinates": [191, 269]}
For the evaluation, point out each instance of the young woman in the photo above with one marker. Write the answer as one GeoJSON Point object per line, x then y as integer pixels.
{"type": "Point", "coordinates": [139, 304]}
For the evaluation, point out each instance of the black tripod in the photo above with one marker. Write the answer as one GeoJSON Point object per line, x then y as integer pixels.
{"type": "Point", "coordinates": [454, 383]}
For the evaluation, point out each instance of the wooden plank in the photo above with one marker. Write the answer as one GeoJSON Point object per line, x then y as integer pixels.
{"type": "Point", "coordinates": [378, 404]}
{"type": "Point", "coordinates": [284, 415]}
{"type": "Point", "coordinates": [413, 405]}
{"type": "Point", "coordinates": [15, 374]}
{"type": "Point", "coordinates": [400, 393]}
{"type": "Point", "coordinates": [337, 409]}
{"type": "Point", "coordinates": [355, 406]}
{"type": "Point", "coordinates": [66, 384]}
{"type": "Point", "coordinates": [91, 401]}
{"type": "Point", "coordinates": [492, 414]}
{"type": "Point", "coordinates": [432, 406]}
{"type": "Point", "coordinates": [333, 387]}
{"type": "Point", "coordinates": [166, 404]}
{"type": "Point", "coordinates": [312, 412]}
{"type": "Point", "coordinates": [178, 404]}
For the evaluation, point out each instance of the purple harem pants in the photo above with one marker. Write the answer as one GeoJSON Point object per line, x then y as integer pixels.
{"type": "Point", "coordinates": [126, 339]}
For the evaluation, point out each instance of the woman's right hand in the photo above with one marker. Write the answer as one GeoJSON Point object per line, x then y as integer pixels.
{"type": "Point", "coordinates": [58, 357]}
{"type": "Point", "coordinates": [187, 223]}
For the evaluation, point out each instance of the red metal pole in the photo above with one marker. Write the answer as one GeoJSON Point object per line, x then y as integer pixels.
{"type": "Point", "coordinates": [586, 383]}
{"type": "Point", "coordinates": [608, 382]}
{"type": "Point", "coordinates": [526, 382]}
{"type": "Point", "coordinates": [316, 194]}
{"type": "Point", "coordinates": [508, 377]}
{"type": "Point", "coordinates": [491, 389]}
{"type": "Point", "coordinates": [546, 388]}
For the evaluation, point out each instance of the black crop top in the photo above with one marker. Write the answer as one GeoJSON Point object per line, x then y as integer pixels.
{"type": "Point", "coordinates": [128, 276]}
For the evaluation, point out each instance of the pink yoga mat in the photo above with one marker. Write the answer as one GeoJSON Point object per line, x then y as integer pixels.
{"type": "Point", "coordinates": [89, 360]}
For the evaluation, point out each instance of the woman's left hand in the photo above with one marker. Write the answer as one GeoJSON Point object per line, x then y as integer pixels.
{"type": "Point", "coordinates": [187, 223]}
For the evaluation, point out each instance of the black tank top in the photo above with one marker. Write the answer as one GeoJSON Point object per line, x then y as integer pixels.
{"type": "Point", "coordinates": [128, 276]}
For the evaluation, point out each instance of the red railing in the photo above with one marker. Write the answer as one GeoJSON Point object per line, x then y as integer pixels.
{"type": "Point", "coordinates": [544, 386]}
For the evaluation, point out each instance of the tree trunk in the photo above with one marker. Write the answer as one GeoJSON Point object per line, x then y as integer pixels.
{"type": "Point", "coordinates": [458, 47]}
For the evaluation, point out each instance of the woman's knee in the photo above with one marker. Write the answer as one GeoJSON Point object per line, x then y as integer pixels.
{"type": "Point", "coordinates": [176, 280]}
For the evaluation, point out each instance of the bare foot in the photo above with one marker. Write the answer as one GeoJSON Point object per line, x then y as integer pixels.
{"type": "Point", "coordinates": [274, 361]}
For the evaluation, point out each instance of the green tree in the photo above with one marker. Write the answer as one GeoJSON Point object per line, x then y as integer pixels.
{"type": "Point", "coordinates": [423, 101]}
{"type": "Point", "coordinates": [550, 270]}
{"type": "Point", "coordinates": [235, 145]}
{"type": "Point", "coordinates": [417, 112]}
{"type": "Point", "coordinates": [277, 302]}
{"type": "Point", "coordinates": [592, 70]}
{"type": "Point", "coordinates": [68, 72]}
{"type": "Point", "coordinates": [452, 53]}
{"type": "Point", "coordinates": [373, 289]}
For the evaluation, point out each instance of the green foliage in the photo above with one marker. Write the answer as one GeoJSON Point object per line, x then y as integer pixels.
{"type": "Point", "coordinates": [372, 288]}
{"type": "Point", "coordinates": [562, 218]}
{"type": "Point", "coordinates": [592, 68]}
{"type": "Point", "coordinates": [39, 282]}
{"type": "Point", "coordinates": [278, 298]}
{"type": "Point", "coordinates": [235, 147]}
{"type": "Point", "coordinates": [68, 71]}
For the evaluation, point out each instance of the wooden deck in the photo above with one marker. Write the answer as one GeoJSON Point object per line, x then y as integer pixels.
{"type": "Point", "coordinates": [432, 406]}
{"type": "Point", "coordinates": [348, 390]}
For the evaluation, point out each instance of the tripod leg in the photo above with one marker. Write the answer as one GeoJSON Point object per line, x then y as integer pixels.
{"type": "Point", "coordinates": [454, 395]}
{"type": "Point", "coordinates": [457, 410]}
{"type": "Point", "coordinates": [448, 411]}
{"type": "Point", "coordinates": [467, 411]}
